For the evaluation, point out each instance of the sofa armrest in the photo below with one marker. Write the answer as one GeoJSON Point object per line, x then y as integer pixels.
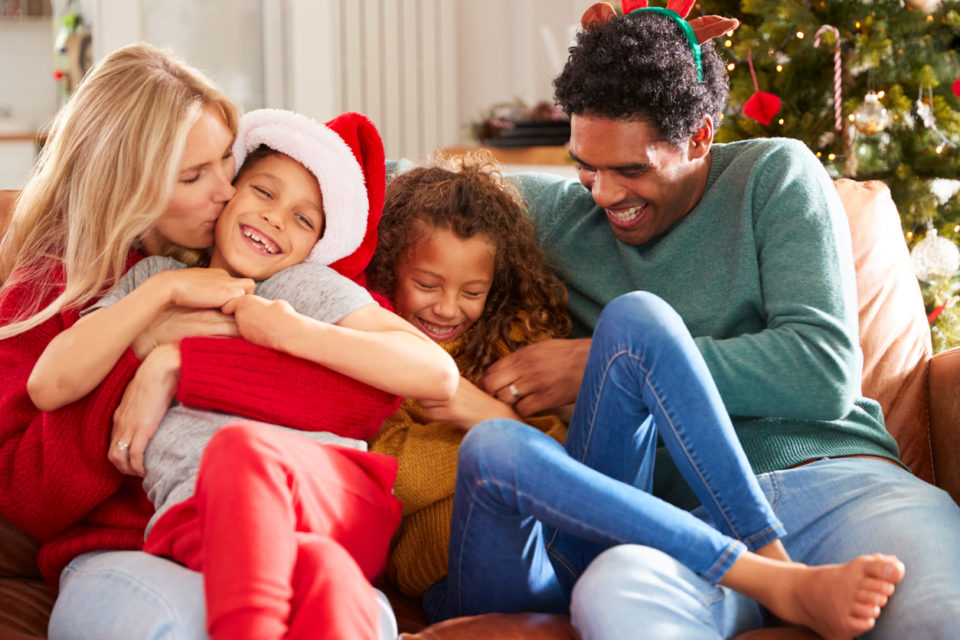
{"type": "Point", "coordinates": [943, 387]}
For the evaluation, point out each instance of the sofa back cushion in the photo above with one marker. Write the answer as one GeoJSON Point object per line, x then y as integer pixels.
{"type": "Point", "coordinates": [894, 333]}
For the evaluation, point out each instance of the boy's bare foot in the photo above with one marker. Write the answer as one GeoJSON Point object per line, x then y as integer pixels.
{"type": "Point", "coordinates": [837, 601]}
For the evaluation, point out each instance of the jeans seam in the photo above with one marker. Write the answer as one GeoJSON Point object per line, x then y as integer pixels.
{"type": "Point", "coordinates": [683, 446]}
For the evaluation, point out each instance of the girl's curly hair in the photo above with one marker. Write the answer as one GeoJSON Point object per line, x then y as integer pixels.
{"type": "Point", "coordinates": [639, 67]}
{"type": "Point", "coordinates": [468, 196]}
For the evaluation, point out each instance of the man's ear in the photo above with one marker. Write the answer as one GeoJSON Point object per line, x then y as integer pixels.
{"type": "Point", "coordinates": [702, 138]}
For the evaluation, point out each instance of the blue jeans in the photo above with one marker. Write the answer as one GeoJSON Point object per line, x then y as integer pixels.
{"type": "Point", "coordinates": [529, 514]}
{"type": "Point", "coordinates": [834, 510]}
{"type": "Point", "coordinates": [132, 595]}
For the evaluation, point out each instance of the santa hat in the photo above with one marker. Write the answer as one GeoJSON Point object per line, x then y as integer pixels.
{"type": "Point", "coordinates": [346, 157]}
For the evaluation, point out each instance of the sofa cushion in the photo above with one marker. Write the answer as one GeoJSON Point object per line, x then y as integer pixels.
{"type": "Point", "coordinates": [894, 334]}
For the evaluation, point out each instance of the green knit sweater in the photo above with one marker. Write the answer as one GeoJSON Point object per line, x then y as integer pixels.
{"type": "Point", "coordinates": [762, 273]}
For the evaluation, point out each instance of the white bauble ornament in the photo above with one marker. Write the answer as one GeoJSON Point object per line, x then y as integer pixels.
{"type": "Point", "coordinates": [935, 257]}
{"type": "Point", "coordinates": [927, 6]}
{"type": "Point", "coordinates": [871, 116]}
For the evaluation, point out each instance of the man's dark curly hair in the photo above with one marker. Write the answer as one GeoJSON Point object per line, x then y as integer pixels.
{"type": "Point", "coordinates": [468, 196]}
{"type": "Point", "coordinates": [640, 67]}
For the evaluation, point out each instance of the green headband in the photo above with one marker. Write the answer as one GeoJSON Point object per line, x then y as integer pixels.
{"type": "Point", "coordinates": [687, 31]}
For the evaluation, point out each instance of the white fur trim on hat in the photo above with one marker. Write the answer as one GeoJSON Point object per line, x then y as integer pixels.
{"type": "Point", "coordinates": [328, 157]}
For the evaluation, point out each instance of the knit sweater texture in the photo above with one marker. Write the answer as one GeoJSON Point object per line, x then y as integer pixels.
{"type": "Point", "coordinates": [426, 453]}
{"type": "Point", "coordinates": [57, 484]}
{"type": "Point", "coordinates": [761, 271]}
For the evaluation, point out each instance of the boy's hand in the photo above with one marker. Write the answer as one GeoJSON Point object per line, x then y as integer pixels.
{"type": "Point", "coordinates": [468, 406]}
{"type": "Point", "coordinates": [204, 288]}
{"type": "Point", "coordinates": [268, 323]}
{"type": "Point", "coordinates": [144, 403]}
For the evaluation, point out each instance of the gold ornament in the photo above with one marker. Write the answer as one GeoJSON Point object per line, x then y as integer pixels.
{"type": "Point", "coordinates": [871, 116]}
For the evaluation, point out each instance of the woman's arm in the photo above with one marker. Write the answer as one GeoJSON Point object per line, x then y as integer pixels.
{"type": "Point", "coordinates": [369, 344]}
{"type": "Point", "coordinates": [55, 468]}
{"type": "Point", "coordinates": [80, 357]}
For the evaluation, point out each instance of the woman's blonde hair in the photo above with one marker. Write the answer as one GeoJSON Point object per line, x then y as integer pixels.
{"type": "Point", "coordinates": [104, 177]}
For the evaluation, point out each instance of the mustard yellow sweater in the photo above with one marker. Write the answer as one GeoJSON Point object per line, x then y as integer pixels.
{"type": "Point", "coordinates": [427, 456]}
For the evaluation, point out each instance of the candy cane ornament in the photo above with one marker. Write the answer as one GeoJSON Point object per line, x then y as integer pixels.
{"type": "Point", "coordinates": [837, 91]}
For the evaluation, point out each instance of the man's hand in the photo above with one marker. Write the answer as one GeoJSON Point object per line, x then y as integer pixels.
{"type": "Point", "coordinates": [176, 323]}
{"type": "Point", "coordinates": [540, 376]}
{"type": "Point", "coordinates": [468, 406]}
{"type": "Point", "coordinates": [144, 402]}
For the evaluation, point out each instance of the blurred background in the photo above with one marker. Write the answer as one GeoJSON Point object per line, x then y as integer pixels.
{"type": "Point", "coordinates": [426, 71]}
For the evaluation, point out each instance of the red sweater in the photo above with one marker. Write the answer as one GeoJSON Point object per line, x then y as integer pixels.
{"type": "Point", "coordinates": [56, 483]}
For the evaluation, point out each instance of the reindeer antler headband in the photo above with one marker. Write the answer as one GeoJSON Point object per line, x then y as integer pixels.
{"type": "Point", "coordinates": [697, 31]}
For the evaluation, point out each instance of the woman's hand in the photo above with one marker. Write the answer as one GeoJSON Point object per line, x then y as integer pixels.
{"type": "Point", "coordinates": [263, 322]}
{"type": "Point", "coordinates": [176, 323]}
{"type": "Point", "coordinates": [469, 406]}
{"type": "Point", "coordinates": [144, 403]}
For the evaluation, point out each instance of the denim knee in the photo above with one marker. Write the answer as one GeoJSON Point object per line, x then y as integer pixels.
{"type": "Point", "coordinates": [639, 314]}
{"type": "Point", "coordinates": [491, 443]}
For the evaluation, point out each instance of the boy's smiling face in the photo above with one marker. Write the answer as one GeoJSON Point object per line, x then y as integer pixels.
{"type": "Point", "coordinates": [272, 222]}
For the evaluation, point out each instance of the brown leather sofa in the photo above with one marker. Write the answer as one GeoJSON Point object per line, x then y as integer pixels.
{"type": "Point", "coordinates": [919, 392]}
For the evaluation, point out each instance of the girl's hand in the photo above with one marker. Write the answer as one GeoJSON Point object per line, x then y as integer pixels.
{"type": "Point", "coordinates": [469, 406]}
{"type": "Point", "coordinates": [202, 287]}
{"type": "Point", "coordinates": [144, 403]}
{"type": "Point", "coordinates": [264, 322]}
{"type": "Point", "coordinates": [176, 323]}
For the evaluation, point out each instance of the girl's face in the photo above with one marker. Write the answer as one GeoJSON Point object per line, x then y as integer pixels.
{"type": "Point", "coordinates": [273, 221]}
{"type": "Point", "coordinates": [443, 282]}
{"type": "Point", "coordinates": [203, 187]}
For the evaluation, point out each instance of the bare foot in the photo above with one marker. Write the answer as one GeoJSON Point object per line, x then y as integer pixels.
{"type": "Point", "coordinates": [837, 601]}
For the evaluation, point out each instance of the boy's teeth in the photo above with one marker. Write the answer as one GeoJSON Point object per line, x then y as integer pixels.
{"type": "Point", "coordinates": [256, 237]}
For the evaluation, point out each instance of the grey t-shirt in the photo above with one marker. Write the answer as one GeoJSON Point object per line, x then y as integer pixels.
{"type": "Point", "coordinates": [173, 455]}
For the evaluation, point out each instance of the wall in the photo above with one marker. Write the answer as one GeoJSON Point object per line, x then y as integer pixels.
{"type": "Point", "coordinates": [28, 93]}
{"type": "Point", "coordinates": [280, 53]}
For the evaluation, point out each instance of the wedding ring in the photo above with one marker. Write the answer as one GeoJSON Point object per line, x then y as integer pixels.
{"type": "Point", "coordinates": [123, 446]}
{"type": "Point", "coordinates": [513, 391]}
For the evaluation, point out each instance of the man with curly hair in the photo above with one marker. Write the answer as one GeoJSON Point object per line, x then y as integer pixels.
{"type": "Point", "coordinates": [749, 243]}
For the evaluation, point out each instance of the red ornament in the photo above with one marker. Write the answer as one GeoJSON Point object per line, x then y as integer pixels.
{"type": "Point", "coordinates": [956, 87]}
{"type": "Point", "coordinates": [58, 74]}
{"type": "Point", "coordinates": [761, 106]}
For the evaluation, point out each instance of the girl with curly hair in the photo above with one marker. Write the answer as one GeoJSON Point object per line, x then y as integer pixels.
{"type": "Point", "coordinates": [460, 261]}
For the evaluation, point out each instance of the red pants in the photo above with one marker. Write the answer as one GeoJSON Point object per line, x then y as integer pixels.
{"type": "Point", "coordinates": [287, 534]}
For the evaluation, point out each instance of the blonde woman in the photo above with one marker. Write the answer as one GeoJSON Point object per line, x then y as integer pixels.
{"type": "Point", "coordinates": [138, 164]}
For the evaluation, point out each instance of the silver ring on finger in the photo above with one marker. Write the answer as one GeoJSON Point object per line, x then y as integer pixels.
{"type": "Point", "coordinates": [513, 391]}
{"type": "Point", "coordinates": [122, 446]}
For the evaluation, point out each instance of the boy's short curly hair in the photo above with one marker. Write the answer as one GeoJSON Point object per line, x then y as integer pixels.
{"type": "Point", "coordinates": [640, 67]}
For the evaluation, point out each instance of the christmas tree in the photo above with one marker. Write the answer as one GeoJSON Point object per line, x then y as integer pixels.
{"type": "Point", "coordinates": [895, 67]}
